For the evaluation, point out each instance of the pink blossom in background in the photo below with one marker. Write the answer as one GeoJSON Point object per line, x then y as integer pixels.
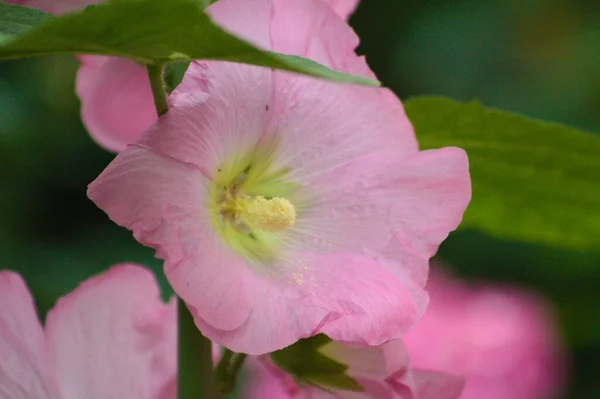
{"type": "Point", "coordinates": [112, 337]}
{"type": "Point", "coordinates": [502, 339]}
{"type": "Point", "coordinates": [272, 197]}
{"type": "Point", "coordinates": [383, 372]}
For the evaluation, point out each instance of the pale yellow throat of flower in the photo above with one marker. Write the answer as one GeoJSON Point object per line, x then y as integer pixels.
{"type": "Point", "coordinates": [272, 215]}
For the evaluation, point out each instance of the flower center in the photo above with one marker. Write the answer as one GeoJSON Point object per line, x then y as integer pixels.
{"type": "Point", "coordinates": [272, 215]}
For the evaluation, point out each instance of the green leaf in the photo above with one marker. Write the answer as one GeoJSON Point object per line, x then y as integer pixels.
{"type": "Point", "coordinates": [15, 20]}
{"type": "Point", "coordinates": [148, 31]}
{"type": "Point", "coordinates": [306, 363]}
{"type": "Point", "coordinates": [532, 181]}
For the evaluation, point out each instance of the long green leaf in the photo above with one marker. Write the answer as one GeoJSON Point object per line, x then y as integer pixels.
{"type": "Point", "coordinates": [532, 181]}
{"type": "Point", "coordinates": [147, 31]}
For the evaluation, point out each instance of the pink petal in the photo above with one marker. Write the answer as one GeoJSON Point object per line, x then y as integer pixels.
{"type": "Point", "coordinates": [346, 209]}
{"type": "Point", "coordinates": [375, 306]}
{"type": "Point", "coordinates": [435, 189]}
{"type": "Point", "coordinates": [248, 19]}
{"type": "Point", "coordinates": [116, 100]}
{"type": "Point", "coordinates": [113, 337]}
{"type": "Point", "coordinates": [309, 28]}
{"type": "Point", "coordinates": [343, 7]}
{"type": "Point", "coordinates": [360, 206]}
{"type": "Point", "coordinates": [25, 371]}
{"type": "Point", "coordinates": [348, 297]}
{"type": "Point", "coordinates": [226, 125]}
{"type": "Point", "coordinates": [322, 125]}
{"type": "Point", "coordinates": [163, 202]}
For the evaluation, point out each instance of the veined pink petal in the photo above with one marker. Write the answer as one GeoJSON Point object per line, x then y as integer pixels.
{"type": "Point", "coordinates": [164, 203]}
{"type": "Point", "coordinates": [374, 308]}
{"type": "Point", "coordinates": [435, 188]}
{"type": "Point", "coordinates": [343, 7]}
{"type": "Point", "coordinates": [322, 294]}
{"type": "Point", "coordinates": [401, 209]}
{"type": "Point", "coordinates": [227, 124]}
{"type": "Point", "coordinates": [113, 337]}
{"type": "Point", "coordinates": [116, 100]}
{"type": "Point", "coordinates": [25, 370]}
{"type": "Point", "coordinates": [323, 125]}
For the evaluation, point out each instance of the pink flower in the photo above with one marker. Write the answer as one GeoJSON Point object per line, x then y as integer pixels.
{"type": "Point", "coordinates": [503, 340]}
{"type": "Point", "coordinates": [383, 372]}
{"type": "Point", "coordinates": [274, 199]}
{"type": "Point", "coordinates": [110, 338]}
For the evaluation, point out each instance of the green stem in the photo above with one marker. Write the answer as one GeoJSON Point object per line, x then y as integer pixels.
{"type": "Point", "coordinates": [227, 370]}
{"type": "Point", "coordinates": [155, 74]}
{"type": "Point", "coordinates": [236, 366]}
{"type": "Point", "coordinates": [195, 365]}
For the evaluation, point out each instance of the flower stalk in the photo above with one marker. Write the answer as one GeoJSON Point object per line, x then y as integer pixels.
{"type": "Point", "coordinates": [227, 371]}
{"type": "Point", "coordinates": [155, 74]}
{"type": "Point", "coordinates": [195, 374]}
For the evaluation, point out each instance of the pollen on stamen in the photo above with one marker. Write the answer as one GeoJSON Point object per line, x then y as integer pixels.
{"type": "Point", "coordinates": [272, 215]}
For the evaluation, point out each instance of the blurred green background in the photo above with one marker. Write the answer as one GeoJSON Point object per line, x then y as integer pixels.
{"type": "Point", "coordinates": [537, 57]}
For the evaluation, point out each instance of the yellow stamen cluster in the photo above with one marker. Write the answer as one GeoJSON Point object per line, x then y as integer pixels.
{"type": "Point", "coordinates": [272, 215]}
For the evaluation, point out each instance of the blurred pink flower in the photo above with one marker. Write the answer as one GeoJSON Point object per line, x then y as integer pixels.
{"type": "Point", "coordinates": [116, 99]}
{"type": "Point", "coordinates": [383, 372]}
{"type": "Point", "coordinates": [502, 339]}
{"type": "Point", "coordinates": [110, 338]}
{"type": "Point", "coordinates": [272, 197]}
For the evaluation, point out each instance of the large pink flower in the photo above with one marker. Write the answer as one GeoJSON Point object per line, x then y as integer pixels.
{"type": "Point", "coordinates": [382, 372]}
{"type": "Point", "coordinates": [110, 338]}
{"type": "Point", "coordinates": [502, 339]}
{"type": "Point", "coordinates": [275, 199]}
